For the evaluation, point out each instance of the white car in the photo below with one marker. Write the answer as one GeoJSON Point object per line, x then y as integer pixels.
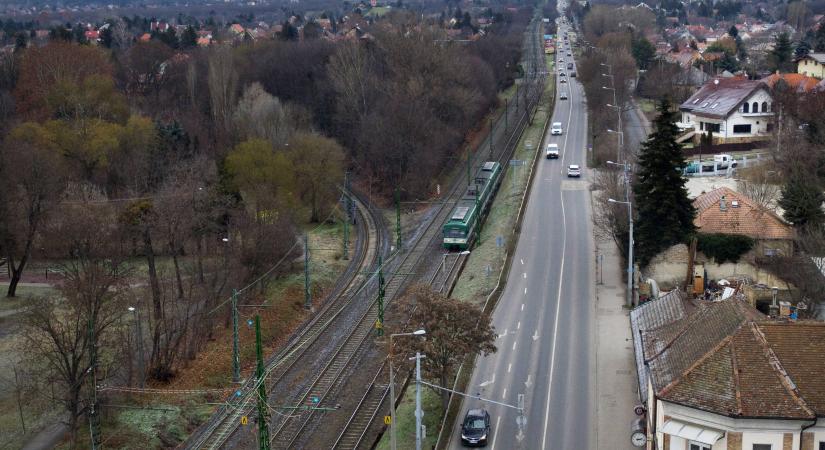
{"type": "Point", "coordinates": [563, 80]}
{"type": "Point", "coordinates": [574, 171]}
{"type": "Point", "coordinates": [563, 96]}
{"type": "Point", "coordinates": [555, 130]}
{"type": "Point", "coordinates": [552, 151]}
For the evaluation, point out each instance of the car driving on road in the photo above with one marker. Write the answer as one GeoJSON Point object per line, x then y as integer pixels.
{"type": "Point", "coordinates": [563, 96]}
{"type": "Point", "coordinates": [552, 151]}
{"type": "Point", "coordinates": [475, 428]}
{"type": "Point", "coordinates": [555, 129]}
{"type": "Point", "coordinates": [574, 171]}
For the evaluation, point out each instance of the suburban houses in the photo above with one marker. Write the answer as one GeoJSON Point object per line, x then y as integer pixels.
{"type": "Point", "coordinates": [733, 109]}
{"type": "Point", "coordinates": [812, 65]}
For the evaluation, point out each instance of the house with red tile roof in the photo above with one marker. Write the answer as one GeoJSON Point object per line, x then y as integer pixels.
{"type": "Point", "coordinates": [725, 211]}
{"type": "Point", "coordinates": [796, 81]}
{"type": "Point", "coordinates": [720, 375]}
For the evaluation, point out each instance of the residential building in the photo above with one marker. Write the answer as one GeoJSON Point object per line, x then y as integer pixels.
{"type": "Point", "coordinates": [734, 109]}
{"type": "Point", "coordinates": [812, 65]}
{"type": "Point", "coordinates": [726, 211]}
{"type": "Point", "coordinates": [720, 376]}
{"type": "Point", "coordinates": [796, 82]}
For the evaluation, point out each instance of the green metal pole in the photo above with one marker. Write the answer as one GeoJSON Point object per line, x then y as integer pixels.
{"type": "Point", "coordinates": [307, 293]}
{"type": "Point", "coordinates": [236, 353]}
{"type": "Point", "coordinates": [397, 219]}
{"type": "Point", "coordinates": [379, 325]}
{"type": "Point", "coordinates": [263, 415]}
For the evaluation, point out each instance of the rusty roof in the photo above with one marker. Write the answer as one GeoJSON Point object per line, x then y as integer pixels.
{"type": "Point", "coordinates": [719, 97]}
{"type": "Point", "coordinates": [796, 81]}
{"type": "Point", "coordinates": [741, 216]}
{"type": "Point", "coordinates": [759, 371]}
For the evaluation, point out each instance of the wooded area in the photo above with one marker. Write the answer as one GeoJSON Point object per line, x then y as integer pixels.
{"type": "Point", "coordinates": [162, 178]}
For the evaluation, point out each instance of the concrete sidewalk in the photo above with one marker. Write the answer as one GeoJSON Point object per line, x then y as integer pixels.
{"type": "Point", "coordinates": [616, 386]}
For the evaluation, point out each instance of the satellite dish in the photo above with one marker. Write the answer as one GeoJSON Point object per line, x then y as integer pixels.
{"type": "Point", "coordinates": [716, 82]}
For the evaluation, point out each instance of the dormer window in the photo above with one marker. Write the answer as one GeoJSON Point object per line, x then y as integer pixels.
{"type": "Point", "coordinates": [745, 108]}
{"type": "Point", "coordinates": [705, 105]}
{"type": "Point", "coordinates": [696, 101]}
{"type": "Point", "coordinates": [713, 106]}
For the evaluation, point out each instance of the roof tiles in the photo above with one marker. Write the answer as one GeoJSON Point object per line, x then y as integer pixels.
{"type": "Point", "coordinates": [721, 96]}
{"type": "Point", "coordinates": [747, 218]}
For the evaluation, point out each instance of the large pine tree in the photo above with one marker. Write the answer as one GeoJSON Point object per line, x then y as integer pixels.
{"type": "Point", "coordinates": [665, 214]}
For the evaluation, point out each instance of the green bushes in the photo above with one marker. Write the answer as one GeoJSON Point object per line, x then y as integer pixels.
{"type": "Point", "coordinates": [724, 247]}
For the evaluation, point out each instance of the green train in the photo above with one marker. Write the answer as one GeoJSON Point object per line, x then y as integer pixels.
{"type": "Point", "coordinates": [461, 228]}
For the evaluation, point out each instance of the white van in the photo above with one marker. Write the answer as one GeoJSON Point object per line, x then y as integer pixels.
{"type": "Point", "coordinates": [552, 151]}
{"type": "Point", "coordinates": [555, 130]}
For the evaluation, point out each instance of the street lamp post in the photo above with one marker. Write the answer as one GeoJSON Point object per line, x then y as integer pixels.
{"type": "Point", "coordinates": [134, 312]}
{"type": "Point", "coordinates": [629, 250]}
{"type": "Point", "coordinates": [392, 386]}
{"type": "Point", "coordinates": [620, 138]}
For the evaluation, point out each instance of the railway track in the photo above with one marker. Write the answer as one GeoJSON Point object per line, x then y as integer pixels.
{"type": "Point", "coordinates": [376, 395]}
{"type": "Point", "coordinates": [226, 420]}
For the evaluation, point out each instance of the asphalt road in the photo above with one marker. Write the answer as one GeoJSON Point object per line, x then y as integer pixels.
{"type": "Point", "coordinates": [546, 315]}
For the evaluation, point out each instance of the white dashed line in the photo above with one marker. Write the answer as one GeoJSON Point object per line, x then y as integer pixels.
{"type": "Point", "coordinates": [504, 394]}
{"type": "Point", "coordinates": [518, 326]}
{"type": "Point", "coordinates": [522, 262]}
{"type": "Point", "coordinates": [525, 275]}
{"type": "Point", "coordinates": [495, 434]}
{"type": "Point", "coordinates": [525, 291]}
{"type": "Point", "coordinates": [522, 306]}
{"type": "Point", "coordinates": [514, 345]}
{"type": "Point", "coordinates": [509, 366]}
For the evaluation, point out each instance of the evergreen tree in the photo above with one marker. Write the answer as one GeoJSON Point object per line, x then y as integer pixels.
{"type": "Point", "coordinates": [643, 52]}
{"type": "Point", "coordinates": [780, 56]}
{"type": "Point", "coordinates": [733, 32]}
{"type": "Point", "coordinates": [189, 37]}
{"type": "Point", "coordinates": [819, 40]}
{"type": "Point", "coordinates": [802, 50]}
{"type": "Point", "coordinates": [802, 202]}
{"type": "Point", "coordinates": [665, 214]}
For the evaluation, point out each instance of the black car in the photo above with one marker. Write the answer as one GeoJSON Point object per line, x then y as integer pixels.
{"type": "Point", "coordinates": [475, 428]}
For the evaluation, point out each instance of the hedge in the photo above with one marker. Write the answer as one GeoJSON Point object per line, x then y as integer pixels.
{"type": "Point", "coordinates": [724, 247]}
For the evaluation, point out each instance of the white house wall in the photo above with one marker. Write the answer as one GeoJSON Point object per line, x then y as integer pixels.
{"type": "Point", "coordinates": [758, 121]}
{"type": "Point", "coordinates": [754, 431]}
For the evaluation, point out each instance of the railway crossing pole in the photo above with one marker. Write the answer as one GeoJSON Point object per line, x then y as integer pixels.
{"type": "Point", "coordinates": [263, 426]}
{"type": "Point", "coordinates": [307, 293]}
{"type": "Point", "coordinates": [236, 358]}
{"type": "Point", "coordinates": [397, 219]}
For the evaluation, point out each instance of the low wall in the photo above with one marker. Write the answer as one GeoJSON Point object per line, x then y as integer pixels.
{"type": "Point", "coordinates": [669, 269]}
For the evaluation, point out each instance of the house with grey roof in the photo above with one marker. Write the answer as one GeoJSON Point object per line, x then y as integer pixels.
{"type": "Point", "coordinates": [720, 375]}
{"type": "Point", "coordinates": [733, 109]}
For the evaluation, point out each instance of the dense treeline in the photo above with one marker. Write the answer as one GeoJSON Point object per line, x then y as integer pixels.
{"type": "Point", "coordinates": [162, 177]}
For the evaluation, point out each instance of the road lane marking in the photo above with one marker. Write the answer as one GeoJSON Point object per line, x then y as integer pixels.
{"type": "Point", "coordinates": [518, 326]}
{"type": "Point", "coordinates": [488, 382]}
{"type": "Point", "coordinates": [522, 262]}
{"type": "Point", "coordinates": [509, 366]}
{"type": "Point", "coordinates": [514, 345]}
{"type": "Point", "coordinates": [504, 394]}
{"type": "Point", "coordinates": [522, 306]}
{"type": "Point", "coordinates": [495, 433]}
{"type": "Point", "coordinates": [536, 335]}
{"type": "Point", "coordinates": [525, 275]}
{"type": "Point", "coordinates": [525, 291]}
{"type": "Point", "coordinates": [528, 383]}
{"type": "Point", "coordinates": [555, 324]}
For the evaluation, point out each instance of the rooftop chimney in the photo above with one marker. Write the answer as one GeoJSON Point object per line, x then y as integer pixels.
{"type": "Point", "coordinates": [723, 205]}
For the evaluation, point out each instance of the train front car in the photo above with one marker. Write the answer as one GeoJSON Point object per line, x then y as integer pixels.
{"type": "Point", "coordinates": [460, 229]}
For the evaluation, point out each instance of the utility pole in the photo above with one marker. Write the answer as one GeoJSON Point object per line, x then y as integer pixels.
{"type": "Point", "coordinates": [236, 353]}
{"type": "Point", "coordinates": [263, 426]}
{"type": "Point", "coordinates": [379, 324]}
{"type": "Point", "coordinates": [469, 178]}
{"type": "Point", "coordinates": [93, 413]}
{"type": "Point", "coordinates": [397, 219]}
{"type": "Point", "coordinates": [307, 293]}
{"type": "Point", "coordinates": [419, 414]}
{"type": "Point", "coordinates": [506, 113]}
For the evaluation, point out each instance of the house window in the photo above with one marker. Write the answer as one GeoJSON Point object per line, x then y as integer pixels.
{"type": "Point", "coordinates": [762, 447]}
{"type": "Point", "coordinates": [764, 106]}
{"type": "Point", "coordinates": [698, 446]}
{"type": "Point", "coordinates": [771, 251]}
{"type": "Point", "coordinates": [739, 129]}
{"type": "Point", "coordinates": [755, 107]}
{"type": "Point", "coordinates": [822, 446]}
{"type": "Point", "coordinates": [712, 127]}
{"type": "Point", "coordinates": [745, 108]}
